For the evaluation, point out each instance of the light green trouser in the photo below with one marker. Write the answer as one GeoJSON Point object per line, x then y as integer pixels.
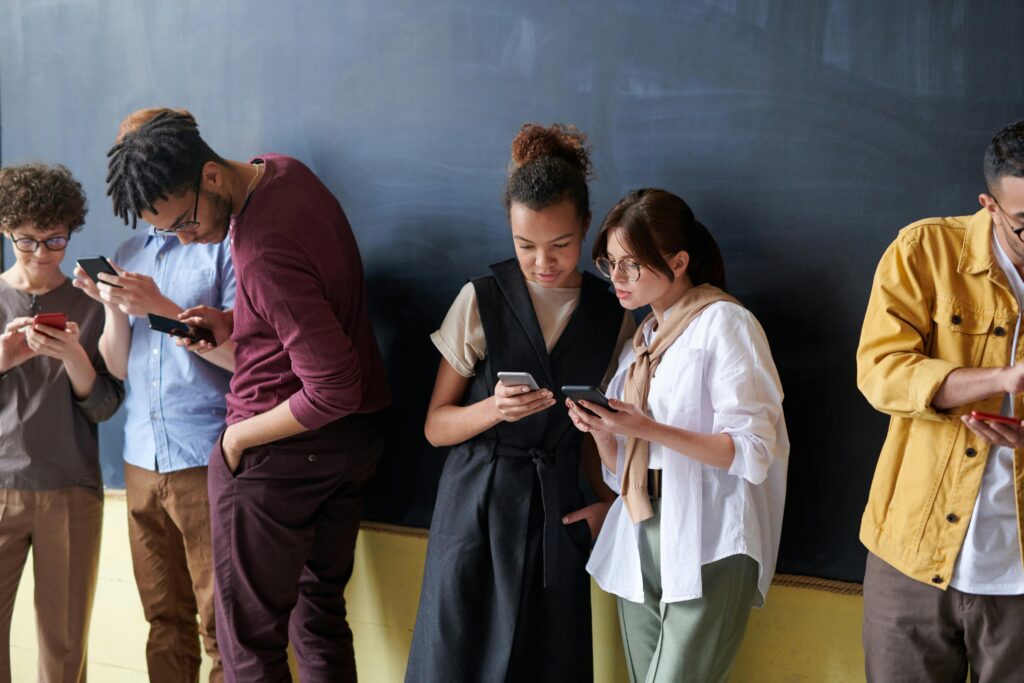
{"type": "Point", "coordinates": [695, 640]}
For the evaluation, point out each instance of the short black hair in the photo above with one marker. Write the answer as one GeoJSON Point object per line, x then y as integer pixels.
{"type": "Point", "coordinates": [1005, 155]}
{"type": "Point", "coordinates": [163, 156]}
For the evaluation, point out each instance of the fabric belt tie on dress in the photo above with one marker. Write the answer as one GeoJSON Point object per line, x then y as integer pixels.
{"type": "Point", "coordinates": [551, 536]}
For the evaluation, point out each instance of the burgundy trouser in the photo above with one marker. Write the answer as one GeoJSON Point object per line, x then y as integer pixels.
{"type": "Point", "coordinates": [284, 532]}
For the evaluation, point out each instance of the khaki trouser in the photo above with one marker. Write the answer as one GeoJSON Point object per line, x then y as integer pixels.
{"type": "Point", "coordinates": [917, 632]}
{"type": "Point", "coordinates": [62, 527]}
{"type": "Point", "coordinates": [169, 532]}
{"type": "Point", "coordinates": [693, 640]}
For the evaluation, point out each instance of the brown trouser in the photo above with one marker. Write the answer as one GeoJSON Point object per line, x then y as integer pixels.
{"type": "Point", "coordinates": [169, 531]}
{"type": "Point", "coordinates": [916, 632]}
{"type": "Point", "coordinates": [62, 527]}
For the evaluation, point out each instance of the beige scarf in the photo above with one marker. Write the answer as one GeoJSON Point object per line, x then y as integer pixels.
{"type": "Point", "coordinates": [638, 385]}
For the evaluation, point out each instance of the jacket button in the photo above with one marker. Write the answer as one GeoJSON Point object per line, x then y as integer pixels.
{"type": "Point", "coordinates": [936, 579]}
{"type": "Point", "coordinates": [970, 452]}
{"type": "Point", "coordinates": [312, 458]}
{"type": "Point", "coordinates": [951, 518]}
{"type": "Point", "coordinates": [999, 332]}
{"type": "Point", "coordinates": [956, 320]}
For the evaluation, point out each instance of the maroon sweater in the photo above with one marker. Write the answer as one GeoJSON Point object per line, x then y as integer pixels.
{"type": "Point", "coordinates": [301, 325]}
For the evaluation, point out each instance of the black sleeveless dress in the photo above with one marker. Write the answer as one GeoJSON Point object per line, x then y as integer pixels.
{"type": "Point", "coordinates": [506, 595]}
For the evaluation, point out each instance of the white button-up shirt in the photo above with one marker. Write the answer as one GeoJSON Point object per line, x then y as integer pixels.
{"type": "Point", "coordinates": [717, 377]}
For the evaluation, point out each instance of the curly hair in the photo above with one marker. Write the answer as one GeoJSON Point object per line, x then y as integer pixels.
{"type": "Point", "coordinates": [45, 197]}
{"type": "Point", "coordinates": [1005, 155]}
{"type": "Point", "coordinates": [549, 165]}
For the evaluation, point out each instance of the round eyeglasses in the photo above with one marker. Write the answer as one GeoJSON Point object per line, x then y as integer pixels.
{"type": "Point", "coordinates": [607, 267]}
{"type": "Point", "coordinates": [29, 245]}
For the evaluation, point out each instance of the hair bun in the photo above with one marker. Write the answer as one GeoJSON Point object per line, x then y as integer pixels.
{"type": "Point", "coordinates": [558, 140]}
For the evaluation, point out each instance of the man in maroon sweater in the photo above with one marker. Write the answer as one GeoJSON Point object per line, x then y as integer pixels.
{"type": "Point", "coordinates": [304, 433]}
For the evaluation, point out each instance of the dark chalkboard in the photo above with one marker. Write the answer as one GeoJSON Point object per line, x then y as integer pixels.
{"type": "Point", "coordinates": [803, 134]}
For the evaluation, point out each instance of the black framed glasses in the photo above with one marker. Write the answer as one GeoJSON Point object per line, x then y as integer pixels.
{"type": "Point", "coordinates": [185, 226]}
{"type": "Point", "coordinates": [29, 245]}
{"type": "Point", "coordinates": [628, 267]}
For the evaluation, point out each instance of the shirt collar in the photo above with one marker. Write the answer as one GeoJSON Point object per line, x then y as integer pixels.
{"type": "Point", "coordinates": [976, 255]}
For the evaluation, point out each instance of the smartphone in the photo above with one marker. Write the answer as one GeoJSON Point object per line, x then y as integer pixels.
{"type": "Point", "coordinates": [176, 328]}
{"type": "Point", "coordinates": [578, 392]}
{"type": "Point", "coordinates": [58, 320]}
{"type": "Point", "coordinates": [512, 379]}
{"type": "Point", "coordinates": [94, 265]}
{"type": "Point", "coordinates": [989, 417]}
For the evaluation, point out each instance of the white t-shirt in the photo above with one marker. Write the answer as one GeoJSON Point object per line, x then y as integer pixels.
{"type": "Point", "coordinates": [989, 562]}
{"type": "Point", "coordinates": [718, 377]}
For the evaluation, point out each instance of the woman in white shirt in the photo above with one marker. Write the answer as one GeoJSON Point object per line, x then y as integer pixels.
{"type": "Point", "coordinates": [697, 448]}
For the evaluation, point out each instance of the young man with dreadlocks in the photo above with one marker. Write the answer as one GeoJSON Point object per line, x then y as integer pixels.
{"type": "Point", "coordinates": [288, 478]}
{"type": "Point", "coordinates": [174, 413]}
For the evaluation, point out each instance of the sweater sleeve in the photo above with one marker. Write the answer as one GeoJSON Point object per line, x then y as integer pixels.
{"type": "Point", "coordinates": [289, 294]}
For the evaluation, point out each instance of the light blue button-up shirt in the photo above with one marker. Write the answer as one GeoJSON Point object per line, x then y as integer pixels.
{"type": "Point", "coordinates": [175, 399]}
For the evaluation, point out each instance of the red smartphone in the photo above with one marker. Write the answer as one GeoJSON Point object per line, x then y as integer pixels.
{"type": "Point", "coordinates": [989, 417]}
{"type": "Point", "coordinates": [58, 320]}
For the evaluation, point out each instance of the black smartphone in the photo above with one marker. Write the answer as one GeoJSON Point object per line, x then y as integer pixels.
{"type": "Point", "coordinates": [578, 392]}
{"type": "Point", "coordinates": [94, 265]}
{"type": "Point", "coordinates": [176, 328]}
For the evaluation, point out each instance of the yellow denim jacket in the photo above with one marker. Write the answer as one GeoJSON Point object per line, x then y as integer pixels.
{"type": "Point", "coordinates": [939, 302]}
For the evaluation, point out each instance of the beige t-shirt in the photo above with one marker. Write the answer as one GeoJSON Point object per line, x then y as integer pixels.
{"type": "Point", "coordinates": [461, 339]}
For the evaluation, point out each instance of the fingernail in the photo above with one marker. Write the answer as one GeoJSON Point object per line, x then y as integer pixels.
{"type": "Point", "coordinates": [565, 520]}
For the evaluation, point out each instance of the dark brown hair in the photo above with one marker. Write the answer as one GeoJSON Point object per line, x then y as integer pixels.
{"type": "Point", "coordinates": [652, 223]}
{"type": "Point", "coordinates": [548, 166]}
{"type": "Point", "coordinates": [1005, 155]}
{"type": "Point", "coordinates": [46, 197]}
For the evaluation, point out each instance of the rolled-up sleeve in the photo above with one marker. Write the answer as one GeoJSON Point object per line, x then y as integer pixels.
{"type": "Point", "coordinates": [746, 394]}
{"type": "Point", "coordinates": [106, 395]}
{"type": "Point", "coordinates": [611, 478]}
{"type": "Point", "coordinates": [893, 371]}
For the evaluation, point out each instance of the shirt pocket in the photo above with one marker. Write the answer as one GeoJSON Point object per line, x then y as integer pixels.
{"type": "Point", "coordinates": [959, 333]}
{"type": "Point", "coordinates": [677, 389]}
{"type": "Point", "coordinates": [194, 287]}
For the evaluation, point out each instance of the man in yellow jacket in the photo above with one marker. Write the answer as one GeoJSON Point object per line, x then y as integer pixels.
{"type": "Point", "coordinates": [944, 583]}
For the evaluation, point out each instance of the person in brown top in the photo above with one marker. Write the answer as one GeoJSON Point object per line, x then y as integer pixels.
{"type": "Point", "coordinates": [54, 388]}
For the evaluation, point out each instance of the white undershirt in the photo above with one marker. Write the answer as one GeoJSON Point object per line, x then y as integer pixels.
{"type": "Point", "coordinates": [989, 562]}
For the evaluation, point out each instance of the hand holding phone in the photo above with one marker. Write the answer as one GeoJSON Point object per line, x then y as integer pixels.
{"type": "Point", "coordinates": [56, 320]}
{"type": "Point", "coordinates": [94, 265]}
{"type": "Point", "coordinates": [989, 417]}
{"type": "Point", "coordinates": [579, 392]}
{"type": "Point", "coordinates": [513, 379]}
{"type": "Point", "coordinates": [176, 328]}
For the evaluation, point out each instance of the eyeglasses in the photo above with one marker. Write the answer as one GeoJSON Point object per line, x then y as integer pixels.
{"type": "Point", "coordinates": [29, 245]}
{"type": "Point", "coordinates": [608, 267]}
{"type": "Point", "coordinates": [185, 226]}
{"type": "Point", "coordinates": [1015, 229]}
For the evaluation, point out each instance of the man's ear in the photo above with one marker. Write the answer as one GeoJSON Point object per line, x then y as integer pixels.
{"type": "Point", "coordinates": [987, 201]}
{"type": "Point", "coordinates": [212, 176]}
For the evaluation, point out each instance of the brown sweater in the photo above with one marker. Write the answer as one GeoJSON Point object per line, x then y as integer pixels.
{"type": "Point", "coordinates": [48, 438]}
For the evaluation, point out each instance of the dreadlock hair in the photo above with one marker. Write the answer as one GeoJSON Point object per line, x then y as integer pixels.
{"type": "Point", "coordinates": [162, 156]}
{"type": "Point", "coordinates": [1005, 155]}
